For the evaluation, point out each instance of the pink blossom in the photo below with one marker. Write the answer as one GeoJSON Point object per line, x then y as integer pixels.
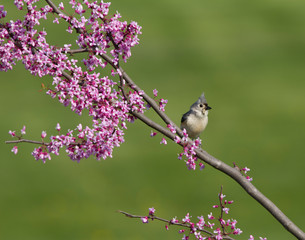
{"type": "Point", "coordinates": [57, 127]}
{"type": "Point", "coordinates": [79, 8]}
{"type": "Point", "coordinates": [222, 222]}
{"type": "Point", "coordinates": [245, 169]}
{"type": "Point", "coordinates": [177, 139]}
{"type": "Point", "coordinates": [250, 179]}
{"type": "Point", "coordinates": [197, 142]}
{"type": "Point", "coordinates": [219, 235]}
{"type": "Point", "coordinates": [23, 131]}
{"type": "Point", "coordinates": [210, 225]}
{"type": "Point", "coordinates": [237, 231]}
{"type": "Point", "coordinates": [120, 74]}
{"type": "Point", "coordinates": [226, 210]}
{"type": "Point", "coordinates": [202, 166]}
{"type": "Point", "coordinates": [152, 211]}
{"type": "Point", "coordinates": [155, 92]}
{"type": "Point", "coordinates": [43, 134]}
{"type": "Point", "coordinates": [61, 6]}
{"type": "Point", "coordinates": [79, 127]}
{"type": "Point", "coordinates": [152, 134]}
{"type": "Point", "coordinates": [174, 220]}
{"type": "Point", "coordinates": [222, 196]}
{"type": "Point", "coordinates": [162, 104]}
{"type": "Point", "coordinates": [2, 12]}
{"type": "Point", "coordinates": [186, 219]}
{"type": "Point", "coordinates": [171, 128]}
{"type": "Point", "coordinates": [12, 133]}
{"type": "Point", "coordinates": [233, 223]}
{"type": "Point", "coordinates": [163, 141]}
{"type": "Point", "coordinates": [200, 223]}
{"type": "Point", "coordinates": [144, 219]}
{"type": "Point", "coordinates": [210, 216]}
{"type": "Point", "coordinates": [56, 20]}
{"type": "Point", "coordinates": [15, 150]}
{"type": "Point", "coordinates": [185, 133]}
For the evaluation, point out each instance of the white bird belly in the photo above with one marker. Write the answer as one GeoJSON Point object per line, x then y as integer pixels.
{"type": "Point", "coordinates": [195, 125]}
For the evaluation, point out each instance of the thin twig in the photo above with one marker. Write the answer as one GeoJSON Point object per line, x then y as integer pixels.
{"type": "Point", "coordinates": [221, 210]}
{"type": "Point", "coordinates": [153, 217]}
{"type": "Point", "coordinates": [26, 141]}
{"type": "Point", "coordinates": [81, 50]}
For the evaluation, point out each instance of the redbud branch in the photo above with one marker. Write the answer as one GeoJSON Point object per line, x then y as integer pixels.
{"type": "Point", "coordinates": [25, 140]}
{"type": "Point", "coordinates": [221, 210]}
{"type": "Point", "coordinates": [153, 217]}
{"type": "Point", "coordinates": [55, 9]}
{"type": "Point", "coordinates": [81, 50]}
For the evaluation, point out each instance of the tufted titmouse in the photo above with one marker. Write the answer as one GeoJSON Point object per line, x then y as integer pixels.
{"type": "Point", "coordinates": [196, 119]}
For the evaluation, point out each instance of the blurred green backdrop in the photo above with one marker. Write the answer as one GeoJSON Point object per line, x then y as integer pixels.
{"type": "Point", "coordinates": [248, 57]}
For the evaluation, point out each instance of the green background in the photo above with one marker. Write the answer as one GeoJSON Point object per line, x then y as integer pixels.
{"type": "Point", "coordinates": [248, 57]}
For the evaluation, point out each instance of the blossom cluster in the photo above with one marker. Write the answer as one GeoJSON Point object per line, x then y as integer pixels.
{"type": "Point", "coordinates": [189, 151]}
{"type": "Point", "coordinates": [208, 227]}
{"type": "Point", "coordinates": [76, 85]}
{"type": "Point", "coordinates": [189, 147]}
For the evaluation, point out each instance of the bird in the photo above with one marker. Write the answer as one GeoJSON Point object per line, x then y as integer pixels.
{"type": "Point", "coordinates": [196, 119]}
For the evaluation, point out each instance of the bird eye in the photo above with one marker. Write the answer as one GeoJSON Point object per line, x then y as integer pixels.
{"type": "Point", "coordinates": [201, 105]}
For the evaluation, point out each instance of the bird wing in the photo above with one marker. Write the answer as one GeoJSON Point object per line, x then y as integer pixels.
{"type": "Point", "coordinates": [184, 117]}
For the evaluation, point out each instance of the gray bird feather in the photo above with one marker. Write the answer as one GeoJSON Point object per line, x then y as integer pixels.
{"type": "Point", "coordinates": [201, 99]}
{"type": "Point", "coordinates": [185, 115]}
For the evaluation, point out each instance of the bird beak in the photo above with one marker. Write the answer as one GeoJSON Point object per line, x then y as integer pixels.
{"type": "Point", "coordinates": [207, 107]}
